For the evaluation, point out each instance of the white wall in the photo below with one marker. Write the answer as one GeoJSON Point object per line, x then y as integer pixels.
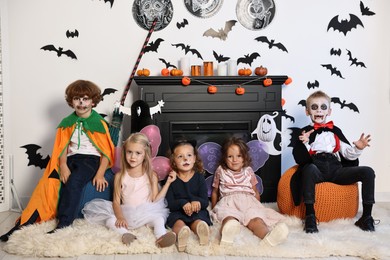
{"type": "Point", "coordinates": [110, 40]}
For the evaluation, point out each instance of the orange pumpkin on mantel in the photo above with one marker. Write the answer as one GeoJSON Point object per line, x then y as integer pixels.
{"type": "Point", "coordinates": [212, 89]}
{"type": "Point", "coordinates": [261, 71]}
{"type": "Point", "coordinates": [288, 81]}
{"type": "Point", "coordinates": [267, 82]}
{"type": "Point", "coordinates": [186, 81]}
{"type": "Point", "coordinates": [143, 72]}
{"type": "Point", "coordinates": [165, 72]}
{"type": "Point", "coordinates": [176, 72]}
{"type": "Point", "coordinates": [244, 72]}
{"type": "Point", "coordinates": [240, 90]}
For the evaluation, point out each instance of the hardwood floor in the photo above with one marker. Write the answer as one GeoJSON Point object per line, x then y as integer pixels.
{"type": "Point", "coordinates": [7, 220]}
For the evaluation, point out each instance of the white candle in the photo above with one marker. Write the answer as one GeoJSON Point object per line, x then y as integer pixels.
{"type": "Point", "coordinates": [185, 66]}
{"type": "Point", "coordinates": [232, 68]}
{"type": "Point", "coordinates": [222, 69]}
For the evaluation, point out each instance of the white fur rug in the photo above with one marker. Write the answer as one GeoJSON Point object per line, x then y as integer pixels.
{"type": "Point", "coordinates": [336, 238]}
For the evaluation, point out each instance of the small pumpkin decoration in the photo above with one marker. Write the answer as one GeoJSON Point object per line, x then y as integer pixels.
{"type": "Point", "coordinates": [261, 71]}
{"type": "Point", "coordinates": [165, 72]}
{"type": "Point", "coordinates": [267, 82]}
{"type": "Point", "coordinates": [212, 89]}
{"type": "Point", "coordinates": [244, 72]}
{"type": "Point", "coordinates": [240, 90]}
{"type": "Point", "coordinates": [283, 101]}
{"type": "Point", "coordinates": [288, 81]}
{"type": "Point", "coordinates": [186, 81]}
{"type": "Point", "coordinates": [176, 72]}
{"type": "Point", "coordinates": [143, 72]}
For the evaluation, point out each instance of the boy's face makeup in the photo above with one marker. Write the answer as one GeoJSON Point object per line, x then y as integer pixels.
{"type": "Point", "coordinates": [184, 158]}
{"type": "Point", "coordinates": [82, 106]}
{"type": "Point", "coordinates": [318, 110]}
{"type": "Point", "coordinates": [234, 158]}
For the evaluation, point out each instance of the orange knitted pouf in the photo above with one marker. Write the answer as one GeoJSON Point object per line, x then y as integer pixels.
{"type": "Point", "coordinates": [333, 201]}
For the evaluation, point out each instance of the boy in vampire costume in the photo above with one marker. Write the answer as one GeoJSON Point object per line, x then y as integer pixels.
{"type": "Point", "coordinates": [82, 152]}
{"type": "Point", "coordinates": [324, 154]}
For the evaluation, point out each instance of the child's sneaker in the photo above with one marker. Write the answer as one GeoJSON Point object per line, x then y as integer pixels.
{"type": "Point", "coordinates": [277, 235]}
{"type": "Point", "coordinates": [203, 232]}
{"type": "Point", "coordinates": [128, 238]}
{"type": "Point", "coordinates": [182, 238]}
{"type": "Point", "coordinates": [166, 240]}
{"type": "Point", "coordinates": [229, 231]}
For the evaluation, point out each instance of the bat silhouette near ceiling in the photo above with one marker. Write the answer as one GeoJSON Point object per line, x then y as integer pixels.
{"type": "Point", "coordinates": [153, 46]}
{"type": "Point", "coordinates": [60, 51]}
{"type": "Point", "coordinates": [72, 34]}
{"type": "Point", "coordinates": [182, 24]}
{"type": "Point", "coordinates": [188, 49]}
{"type": "Point", "coordinates": [354, 61]}
{"type": "Point", "coordinates": [220, 57]}
{"type": "Point", "coordinates": [248, 58]}
{"type": "Point", "coordinates": [167, 64]}
{"type": "Point", "coordinates": [333, 70]}
{"type": "Point", "coordinates": [365, 10]}
{"type": "Point", "coordinates": [221, 33]}
{"type": "Point", "coordinates": [345, 25]}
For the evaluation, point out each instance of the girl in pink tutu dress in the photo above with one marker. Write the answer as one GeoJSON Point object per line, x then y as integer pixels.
{"type": "Point", "coordinates": [235, 200]}
{"type": "Point", "coordinates": [137, 200]}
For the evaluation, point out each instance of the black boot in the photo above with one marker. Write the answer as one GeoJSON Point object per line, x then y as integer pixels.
{"type": "Point", "coordinates": [366, 223]}
{"type": "Point", "coordinates": [310, 224]}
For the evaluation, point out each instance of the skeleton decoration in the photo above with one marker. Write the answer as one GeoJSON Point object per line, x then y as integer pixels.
{"type": "Point", "coordinates": [255, 14]}
{"type": "Point", "coordinates": [266, 131]}
{"type": "Point", "coordinates": [145, 11]}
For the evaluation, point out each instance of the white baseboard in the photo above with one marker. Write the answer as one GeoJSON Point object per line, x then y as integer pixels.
{"type": "Point", "coordinates": [382, 196]}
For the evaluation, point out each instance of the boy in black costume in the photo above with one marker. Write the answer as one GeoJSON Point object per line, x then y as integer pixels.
{"type": "Point", "coordinates": [324, 154]}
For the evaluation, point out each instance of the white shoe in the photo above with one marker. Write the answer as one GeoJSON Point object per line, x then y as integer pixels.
{"type": "Point", "coordinates": [229, 231]}
{"type": "Point", "coordinates": [182, 238]}
{"type": "Point", "coordinates": [203, 232]}
{"type": "Point", "coordinates": [277, 235]}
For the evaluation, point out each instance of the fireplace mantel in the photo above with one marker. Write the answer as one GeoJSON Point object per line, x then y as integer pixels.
{"type": "Point", "coordinates": [192, 112]}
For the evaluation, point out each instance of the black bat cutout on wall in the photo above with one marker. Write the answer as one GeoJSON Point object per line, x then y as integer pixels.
{"type": "Point", "coordinates": [335, 52]}
{"type": "Point", "coordinates": [284, 113]}
{"type": "Point", "coordinates": [333, 70]}
{"type": "Point", "coordinates": [187, 49]}
{"type": "Point", "coordinates": [345, 25]}
{"type": "Point", "coordinates": [311, 85]}
{"type": "Point", "coordinates": [354, 61]}
{"type": "Point", "coordinates": [220, 58]}
{"type": "Point", "coordinates": [153, 46]}
{"type": "Point", "coordinates": [110, 1]}
{"type": "Point", "coordinates": [182, 24]}
{"type": "Point", "coordinates": [365, 10]}
{"type": "Point", "coordinates": [70, 34]}
{"type": "Point", "coordinates": [107, 91]}
{"type": "Point", "coordinates": [59, 51]}
{"type": "Point", "coordinates": [248, 58]}
{"type": "Point", "coordinates": [221, 33]}
{"type": "Point", "coordinates": [343, 104]}
{"type": "Point", "coordinates": [34, 158]}
{"type": "Point", "coordinates": [167, 64]}
{"type": "Point", "coordinates": [271, 43]}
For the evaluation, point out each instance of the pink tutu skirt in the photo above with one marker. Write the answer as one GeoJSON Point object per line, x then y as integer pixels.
{"type": "Point", "coordinates": [244, 207]}
{"type": "Point", "coordinates": [98, 211]}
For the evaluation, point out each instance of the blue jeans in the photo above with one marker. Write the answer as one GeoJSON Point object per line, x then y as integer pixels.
{"type": "Point", "coordinates": [83, 168]}
{"type": "Point", "coordinates": [326, 167]}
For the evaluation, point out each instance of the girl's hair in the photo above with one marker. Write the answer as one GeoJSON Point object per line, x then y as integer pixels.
{"type": "Point", "coordinates": [138, 138]}
{"type": "Point", "coordinates": [198, 166]}
{"type": "Point", "coordinates": [317, 94]}
{"type": "Point", "coordinates": [81, 88]}
{"type": "Point", "coordinates": [244, 150]}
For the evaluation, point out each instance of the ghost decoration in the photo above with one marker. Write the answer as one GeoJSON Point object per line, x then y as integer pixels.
{"type": "Point", "coordinates": [266, 132]}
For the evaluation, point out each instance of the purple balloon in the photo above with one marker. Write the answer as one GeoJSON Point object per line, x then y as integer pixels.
{"type": "Point", "coordinates": [258, 153]}
{"type": "Point", "coordinates": [210, 153]}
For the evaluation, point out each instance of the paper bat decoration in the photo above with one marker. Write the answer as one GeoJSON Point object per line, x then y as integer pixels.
{"type": "Point", "coordinates": [333, 70]}
{"type": "Point", "coordinates": [302, 103]}
{"type": "Point", "coordinates": [365, 10]}
{"type": "Point", "coordinates": [248, 59]}
{"type": "Point", "coordinates": [221, 33]}
{"type": "Point", "coordinates": [335, 52]}
{"type": "Point", "coordinates": [187, 49]}
{"type": "Point", "coordinates": [153, 110]}
{"type": "Point", "coordinates": [72, 34]}
{"type": "Point", "coordinates": [110, 1]}
{"type": "Point", "coordinates": [220, 58]}
{"type": "Point", "coordinates": [153, 46]}
{"type": "Point", "coordinates": [343, 104]}
{"type": "Point", "coordinates": [271, 43]}
{"type": "Point", "coordinates": [35, 158]}
{"type": "Point", "coordinates": [59, 51]}
{"type": "Point", "coordinates": [354, 61]}
{"type": "Point", "coordinates": [295, 132]}
{"type": "Point", "coordinates": [345, 26]}
{"type": "Point", "coordinates": [182, 24]}
{"type": "Point", "coordinates": [315, 84]}
{"type": "Point", "coordinates": [284, 113]}
{"type": "Point", "coordinates": [108, 91]}
{"type": "Point", "coordinates": [167, 64]}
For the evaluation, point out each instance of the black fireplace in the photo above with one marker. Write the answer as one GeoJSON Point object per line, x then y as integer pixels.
{"type": "Point", "coordinates": [191, 112]}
